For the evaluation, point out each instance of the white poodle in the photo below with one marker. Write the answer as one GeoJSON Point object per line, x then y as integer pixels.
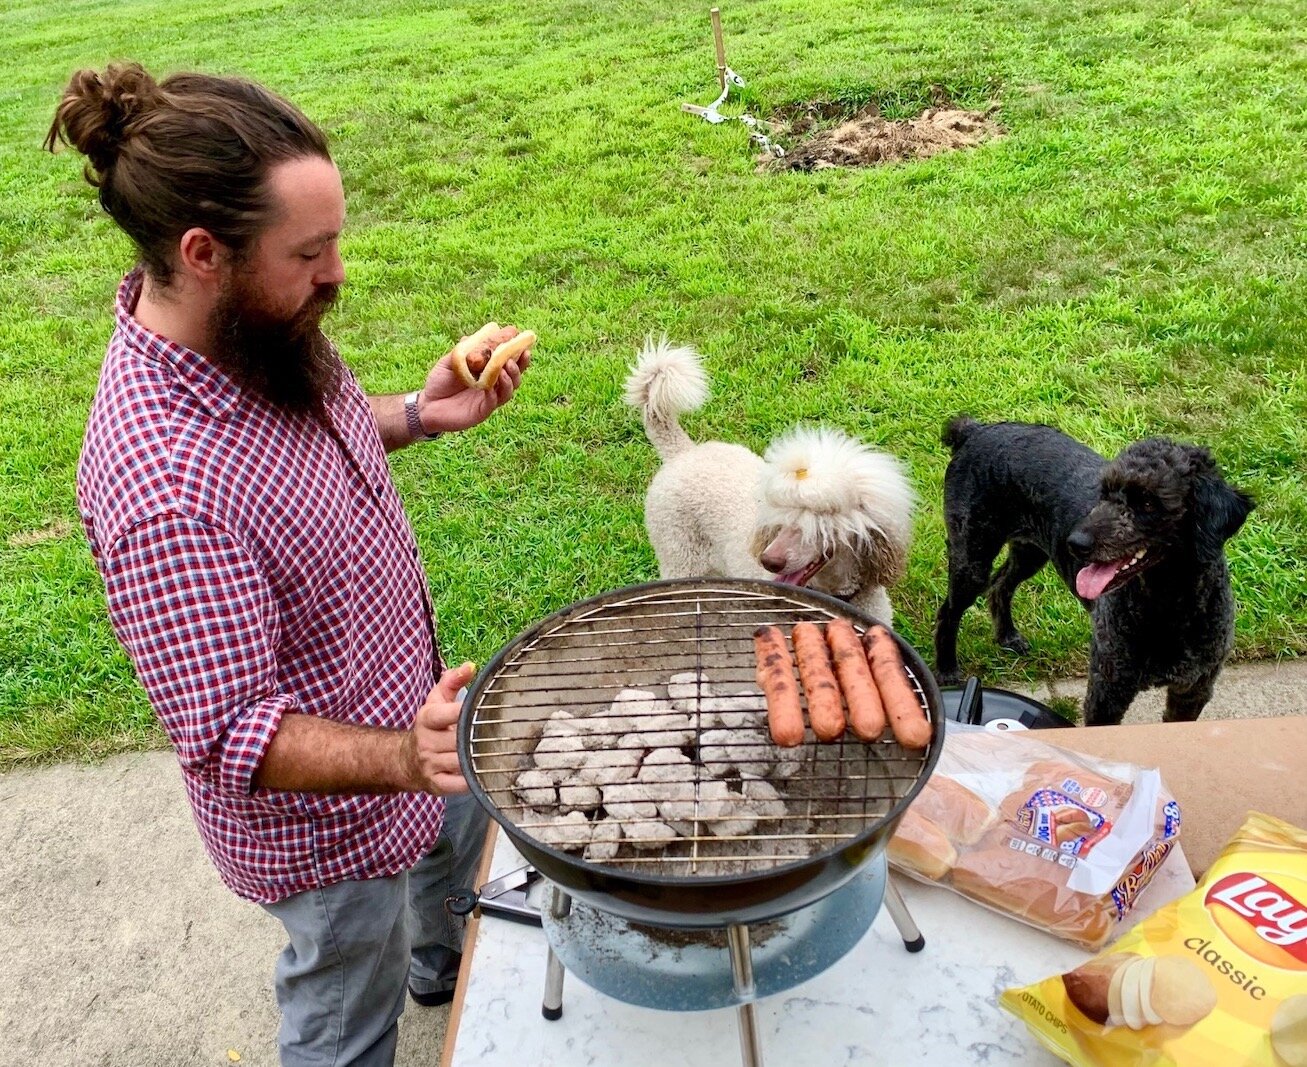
{"type": "Point", "coordinates": [819, 509]}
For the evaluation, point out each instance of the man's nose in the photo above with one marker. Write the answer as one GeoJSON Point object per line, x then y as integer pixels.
{"type": "Point", "coordinates": [333, 270]}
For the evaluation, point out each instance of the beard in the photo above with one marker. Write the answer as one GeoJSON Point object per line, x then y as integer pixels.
{"type": "Point", "coordinates": [286, 360]}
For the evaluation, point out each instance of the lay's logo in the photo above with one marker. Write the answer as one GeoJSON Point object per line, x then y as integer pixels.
{"type": "Point", "coordinates": [1276, 917]}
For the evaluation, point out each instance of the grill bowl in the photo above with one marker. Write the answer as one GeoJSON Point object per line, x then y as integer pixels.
{"type": "Point", "coordinates": [580, 657]}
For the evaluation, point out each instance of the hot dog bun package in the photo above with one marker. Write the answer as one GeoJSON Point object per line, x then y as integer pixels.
{"type": "Point", "coordinates": [1213, 979]}
{"type": "Point", "coordinates": [1061, 841]}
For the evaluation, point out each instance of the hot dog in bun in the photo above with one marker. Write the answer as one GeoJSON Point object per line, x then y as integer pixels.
{"type": "Point", "coordinates": [477, 365]}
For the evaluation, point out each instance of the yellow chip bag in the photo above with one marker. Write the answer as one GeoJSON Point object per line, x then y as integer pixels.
{"type": "Point", "coordinates": [1214, 979]}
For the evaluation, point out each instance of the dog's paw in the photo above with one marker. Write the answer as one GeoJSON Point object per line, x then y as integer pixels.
{"type": "Point", "coordinates": [1014, 642]}
{"type": "Point", "coordinates": [949, 677]}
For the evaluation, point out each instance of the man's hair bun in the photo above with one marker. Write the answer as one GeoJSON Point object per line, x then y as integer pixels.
{"type": "Point", "coordinates": [98, 110]}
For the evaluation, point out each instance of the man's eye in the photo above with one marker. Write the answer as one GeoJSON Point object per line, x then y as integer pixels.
{"type": "Point", "coordinates": [310, 256]}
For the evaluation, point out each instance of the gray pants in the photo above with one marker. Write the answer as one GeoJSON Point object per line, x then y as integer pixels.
{"type": "Point", "coordinates": [355, 947]}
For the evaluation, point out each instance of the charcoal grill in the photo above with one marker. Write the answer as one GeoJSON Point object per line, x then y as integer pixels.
{"type": "Point", "coordinates": [842, 800]}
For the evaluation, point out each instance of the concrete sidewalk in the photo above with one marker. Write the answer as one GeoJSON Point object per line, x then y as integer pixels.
{"type": "Point", "coordinates": [121, 948]}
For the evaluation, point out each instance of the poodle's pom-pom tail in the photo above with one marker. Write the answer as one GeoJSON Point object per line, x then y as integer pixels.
{"type": "Point", "coordinates": [835, 489]}
{"type": "Point", "coordinates": [666, 380]}
{"type": "Point", "coordinates": [958, 430]}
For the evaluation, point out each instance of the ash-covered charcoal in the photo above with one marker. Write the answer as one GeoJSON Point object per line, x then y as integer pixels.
{"type": "Point", "coordinates": [605, 841]}
{"type": "Point", "coordinates": [739, 711]}
{"type": "Point", "coordinates": [718, 810]}
{"type": "Point", "coordinates": [570, 832]}
{"type": "Point", "coordinates": [629, 801]}
{"type": "Point", "coordinates": [608, 766]}
{"type": "Point", "coordinates": [685, 689]}
{"type": "Point", "coordinates": [724, 752]}
{"type": "Point", "coordinates": [561, 744]}
{"type": "Point", "coordinates": [644, 771]}
{"type": "Point", "coordinates": [648, 835]}
{"type": "Point", "coordinates": [667, 776]}
{"type": "Point", "coordinates": [578, 796]}
{"type": "Point", "coordinates": [638, 703]}
{"type": "Point", "coordinates": [536, 789]}
{"type": "Point", "coordinates": [764, 801]}
{"type": "Point", "coordinates": [635, 804]}
{"type": "Point", "coordinates": [671, 730]}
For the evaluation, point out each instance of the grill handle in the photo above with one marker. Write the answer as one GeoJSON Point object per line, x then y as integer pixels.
{"type": "Point", "coordinates": [971, 707]}
{"type": "Point", "coordinates": [505, 897]}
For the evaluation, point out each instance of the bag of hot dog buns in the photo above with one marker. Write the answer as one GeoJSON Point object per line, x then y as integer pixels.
{"type": "Point", "coordinates": [1213, 979]}
{"type": "Point", "coordinates": [1061, 841]}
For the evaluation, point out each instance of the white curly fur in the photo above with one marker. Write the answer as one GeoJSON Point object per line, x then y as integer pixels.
{"type": "Point", "coordinates": [718, 509]}
{"type": "Point", "coordinates": [834, 490]}
{"type": "Point", "coordinates": [666, 381]}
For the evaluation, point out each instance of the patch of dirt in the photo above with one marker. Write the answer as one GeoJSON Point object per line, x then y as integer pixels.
{"type": "Point", "coordinates": [58, 529]}
{"type": "Point", "coordinates": [868, 138]}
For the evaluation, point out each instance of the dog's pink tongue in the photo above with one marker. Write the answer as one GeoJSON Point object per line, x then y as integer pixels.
{"type": "Point", "coordinates": [1094, 578]}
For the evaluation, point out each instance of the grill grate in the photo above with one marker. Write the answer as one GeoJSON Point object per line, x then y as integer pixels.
{"type": "Point", "coordinates": [713, 746]}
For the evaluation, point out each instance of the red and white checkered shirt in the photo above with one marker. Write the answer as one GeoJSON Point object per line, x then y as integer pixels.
{"type": "Point", "coordinates": [257, 563]}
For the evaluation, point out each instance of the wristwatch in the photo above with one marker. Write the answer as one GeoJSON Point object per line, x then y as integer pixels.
{"type": "Point", "coordinates": [415, 428]}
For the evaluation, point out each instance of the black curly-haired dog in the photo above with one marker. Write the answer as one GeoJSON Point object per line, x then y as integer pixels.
{"type": "Point", "coordinates": [1140, 540]}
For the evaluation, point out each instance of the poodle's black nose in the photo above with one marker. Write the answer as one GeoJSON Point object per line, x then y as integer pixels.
{"type": "Point", "coordinates": [1081, 541]}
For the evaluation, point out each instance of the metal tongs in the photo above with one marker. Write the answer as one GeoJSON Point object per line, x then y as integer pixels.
{"type": "Point", "coordinates": [505, 896]}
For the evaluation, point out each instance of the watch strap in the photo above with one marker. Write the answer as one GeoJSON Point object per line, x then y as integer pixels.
{"type": "Point", "coordinates": [415, 428]}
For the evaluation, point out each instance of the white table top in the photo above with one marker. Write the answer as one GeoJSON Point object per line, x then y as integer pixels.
{"type": "Point", "coordinates": [880, 1005]}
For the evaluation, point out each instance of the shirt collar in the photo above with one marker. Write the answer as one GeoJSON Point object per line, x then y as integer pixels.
{"type": "Point", "coordinates": [210, 386]}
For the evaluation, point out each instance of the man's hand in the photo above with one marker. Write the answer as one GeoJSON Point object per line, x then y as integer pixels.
{"type": "Point", "coordinates": [445, 403]}
{"type": "Point", "coordinates": [431, 747]}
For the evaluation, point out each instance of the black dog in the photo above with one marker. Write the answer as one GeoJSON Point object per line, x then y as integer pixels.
{"type": "Point", "coordinates": [1140, 540]}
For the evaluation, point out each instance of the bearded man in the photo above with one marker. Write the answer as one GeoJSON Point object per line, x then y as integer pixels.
{"type": "Point", "coordinates": [259, 568]}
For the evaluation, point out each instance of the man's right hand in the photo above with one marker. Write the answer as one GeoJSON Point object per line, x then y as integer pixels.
{"type": "Point", "coordinates": [432, 745]}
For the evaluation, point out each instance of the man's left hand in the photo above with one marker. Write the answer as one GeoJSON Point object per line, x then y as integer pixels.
{"type": "Point", "coordinates": [445, 403]}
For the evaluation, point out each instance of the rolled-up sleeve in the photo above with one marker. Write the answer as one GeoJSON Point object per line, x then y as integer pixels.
{"type": "Point", "coordinates": [199, 622]}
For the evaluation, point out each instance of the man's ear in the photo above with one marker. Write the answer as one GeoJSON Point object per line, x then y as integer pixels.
{"type": "Point", "coordinates": [202, 255]}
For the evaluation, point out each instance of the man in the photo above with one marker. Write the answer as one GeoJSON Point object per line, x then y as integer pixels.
{"type": "Point", "coordinates": [259, 568]}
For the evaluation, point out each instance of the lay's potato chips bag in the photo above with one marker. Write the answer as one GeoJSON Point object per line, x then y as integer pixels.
{"type": "Point", "coordinates": [1214, 979]}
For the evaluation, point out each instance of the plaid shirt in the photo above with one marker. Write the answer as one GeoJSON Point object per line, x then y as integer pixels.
{"type": "Point", "coordinates": [257, 563]}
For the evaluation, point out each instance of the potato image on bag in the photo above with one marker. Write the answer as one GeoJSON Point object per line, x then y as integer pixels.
{"type": "Point", "coordinates": [1289, 1031]}
{"type": "Point", "coordinates": [1087, 986]}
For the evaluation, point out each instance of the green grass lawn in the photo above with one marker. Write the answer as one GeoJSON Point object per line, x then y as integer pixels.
{"type": "Point", "coordinates": [1129, 260]}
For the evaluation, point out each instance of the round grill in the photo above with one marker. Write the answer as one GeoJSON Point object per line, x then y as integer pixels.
{"type": "Point", "coordinates": [839, 799]}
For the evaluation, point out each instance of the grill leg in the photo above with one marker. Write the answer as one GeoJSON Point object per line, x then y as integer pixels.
{"type": "Point", "coordinates": [560, 904]}
{"type": "Point", "coordinates": [737, 939]}
{"type": "Point", "coordinates": [898, 911]}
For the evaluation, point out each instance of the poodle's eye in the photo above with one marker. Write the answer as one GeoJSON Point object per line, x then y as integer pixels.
{"type": "Point", "coordinates": [1147, 505]}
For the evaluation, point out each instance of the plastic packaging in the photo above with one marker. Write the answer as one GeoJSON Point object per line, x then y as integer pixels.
{"type": "Point", "coordinates": [1061, 841]}
{"type": "Point", "coordinates": [1216, 978]}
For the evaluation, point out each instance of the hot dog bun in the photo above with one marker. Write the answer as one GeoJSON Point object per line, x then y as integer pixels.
{"type": "Point", "coordinates": [466, 347]}
{"type": "Point", "coordinates": [510, 349]}
{"type": "Point", "coordinates": [961, 814]}
{"type": "Point", "coordinates": [921, 846]}
{"type": "Point", "coordinates": [1022, 885]}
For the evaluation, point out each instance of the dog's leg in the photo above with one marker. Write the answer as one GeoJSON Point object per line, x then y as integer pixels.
{"type": "Point", "coordinates": [1107, 702]}
{"type": "Point", "coordinates": [1023, 561]}
{"type": "Point", "coordinates": [1111, 689]}
{"type": "Point", "coordinates": [1185, 704]}
{"type": "Point", "coordinates": [968, 574]}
